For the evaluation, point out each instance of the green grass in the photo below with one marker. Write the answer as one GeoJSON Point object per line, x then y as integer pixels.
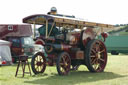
{"type": "Point", "coordinates": [116, 73]}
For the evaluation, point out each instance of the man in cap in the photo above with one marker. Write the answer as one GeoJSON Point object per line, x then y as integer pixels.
{"type": "Point", "coordinates": [53, 11]}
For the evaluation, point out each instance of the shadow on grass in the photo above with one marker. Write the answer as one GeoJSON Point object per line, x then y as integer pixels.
{"type": "Point", "coordinates": [74, 78]}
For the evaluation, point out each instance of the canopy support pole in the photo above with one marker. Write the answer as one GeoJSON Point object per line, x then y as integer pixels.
{"type": "Point", "coordinates": [51, 29]}
{"type": "Point", "coordinates": [46, 36]}
{"type": "Point", "coordinates": [34, 30]}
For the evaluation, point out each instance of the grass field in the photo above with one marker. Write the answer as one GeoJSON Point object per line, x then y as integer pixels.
{"type": "Point", "coordinates": [116, 73]}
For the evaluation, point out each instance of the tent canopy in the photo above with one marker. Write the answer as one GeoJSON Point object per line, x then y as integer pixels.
{"type": "Point", "coordinates": [5, 53]}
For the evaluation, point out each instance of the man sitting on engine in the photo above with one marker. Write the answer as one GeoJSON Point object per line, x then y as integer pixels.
{"type": "Point", "coordinates": [52, 30]}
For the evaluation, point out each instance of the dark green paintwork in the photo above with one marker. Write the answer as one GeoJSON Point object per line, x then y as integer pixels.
{"type": "Point", "coordinates": [117, 41]}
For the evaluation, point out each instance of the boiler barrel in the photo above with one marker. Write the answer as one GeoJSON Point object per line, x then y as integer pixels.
{"type": "Point", "coordinates": [57, 47]}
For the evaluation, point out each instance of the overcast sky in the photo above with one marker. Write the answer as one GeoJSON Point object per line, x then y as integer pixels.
{"type": "Point", "coordinates": [102, 11]}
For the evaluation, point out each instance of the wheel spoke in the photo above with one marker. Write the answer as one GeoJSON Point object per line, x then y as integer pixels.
{"type": "Point", "coordinates": [97, 48]}
{"type": "Point", "coordinates": [93, 56]}
{"type": "Point", "coordinates": [102, 51]}
{"type": "Point", "coordinates": [101, 59]}
{"type": "Point", "coordinates": [41, 67]}
{"type": "Point", "coordinates": [36, 60]}
{"type": "Point", "coordinates": [41, 58]}
{"type": "Point", "coordinates": [66, 59]}
{"type": "Point", "coordinates": [93, 61]}
{"type": "Point", "coordinates": [62, 70]}
{"type": "Point", "coordinates": [61, 64]}
{"type": "Point", "coordinates": [99, 43]}
{"type": "Point", "coordinates": [66, 68]}
{"type": "Point", "coordinates": [96, 66]}
{"type": "Point", "coordinates": [63, 58]}
{"type": "Point", "coordinates": [93, 51]}
{"type": "Point", "coordinates": [37, 57]}
{"type": "Point", "coordinates": [37, 68]}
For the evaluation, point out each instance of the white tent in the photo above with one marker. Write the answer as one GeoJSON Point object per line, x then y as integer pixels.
{"type": "Point", "coordinates": [5, 54]}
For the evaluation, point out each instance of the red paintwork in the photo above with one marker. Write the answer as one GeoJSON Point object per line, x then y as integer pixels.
{"type": "Point", "coordinates": [39, 41]}
{"type": "Point", "coordinates": [51, 59]}
{"type": "Point", "coordinates": [77, 37]}
{"type": "Point", "coordinates": [104, 35]}
{"type": "Point", "coordinates": [65, 47]}
{"type": "Point", "coordinates": [105, 57]}
{"type": "Point", "coordinates": [36, 15]}
{"type": "Point", "coordinates": [4, 31]}
{"type": "Point", "coordinates": [17, 30]}
{"type": "Point", "coordinates": [75, 44]}
{"type": "Point", "coordinates": [16, 50]}
{"type": "Point", "coordinates": [4, 62]}
{"type": "Point", "coordinates": [89, 34]}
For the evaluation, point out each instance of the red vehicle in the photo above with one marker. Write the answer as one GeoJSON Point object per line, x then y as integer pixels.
{"type": "Point", "coordinates": [19, 36]}
{"type": "Point", "coordinates": [68, 42]}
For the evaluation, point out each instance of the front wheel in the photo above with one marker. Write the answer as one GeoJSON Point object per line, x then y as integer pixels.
{"type": "Point", "coordinates": [38, 63]}
{"type": "Point", "coordinates": [63, 63]}
{"type": "Point", "coordinates": [96, 56]}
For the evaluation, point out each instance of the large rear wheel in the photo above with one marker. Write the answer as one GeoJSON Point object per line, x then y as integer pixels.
{"type": "Point", "coordinates": [63, 63]}
{"type": "Point", "coordinates": [96, 56]}
{"type": "Point", "coordinates": [38, 63]}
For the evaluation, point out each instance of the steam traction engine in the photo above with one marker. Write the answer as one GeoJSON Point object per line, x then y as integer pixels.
{"type": "Point", "coordinates": [76, 44]}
